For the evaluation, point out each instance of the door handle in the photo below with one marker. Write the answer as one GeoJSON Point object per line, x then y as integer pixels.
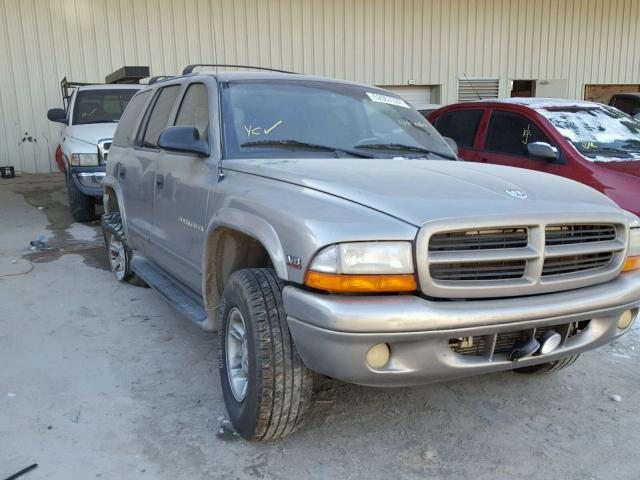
{"type": "Point", "coordinates": [121, 171]}
{"type": "Point", "coordinates": [159, 180]}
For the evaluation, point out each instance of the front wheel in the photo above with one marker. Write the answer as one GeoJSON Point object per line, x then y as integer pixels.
{"type": "Point", "coordinates": [549, 367]}
{"type": "Point", "coordinates": [83, 208]}
{"type": "Point", "coordinates": [266, 387]}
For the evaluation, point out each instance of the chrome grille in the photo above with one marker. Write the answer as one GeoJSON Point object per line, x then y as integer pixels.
{"type": "Point", "coordinates": [489, 259]}
{"type": "Point", "coordinates": [103, 150]}
{"type": "Point", "coordinates": [575, 263]}
{"type": "Point", "coordinates": [502, 343]}
{"type": "Point", "coordinates": [479, 270]}
{"type": "Point", "coordinates": [572, 234]}
{"type": "Point", "coordinates": [481, 239]}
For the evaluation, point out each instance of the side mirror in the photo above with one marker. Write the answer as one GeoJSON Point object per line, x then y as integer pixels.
{"type": "Point", "coordinates": [57, 115]}
{"type": "Point", "coordinates": [452, 144]}
{"type": "Point", "coordinates": [184, 139]}
{"type": "Point", "coordinates": [543, 151]}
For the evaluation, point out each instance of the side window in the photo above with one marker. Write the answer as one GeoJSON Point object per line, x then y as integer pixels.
{"type": "Point", "coordinates": [126, 131]}
{"type": "Point", "coordinates": [160, 115]}
{"type": "Point", "coordinates": [623, 104]}
{"type": "Point", "coordinates": [510, 133]}
{"type": "Point", "coordinates": [194, 110]}
{"type": "Point", "coordinates": [460, 125]}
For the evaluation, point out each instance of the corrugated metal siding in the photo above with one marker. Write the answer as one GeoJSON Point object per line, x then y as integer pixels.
{"type": "Point", "coordinates": [382, 42]}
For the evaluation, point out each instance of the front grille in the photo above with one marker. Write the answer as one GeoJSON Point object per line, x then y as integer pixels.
{"type": "Point", "coordinates": [480, 239]}
{"type": "Point", "coordinates": [576, 263]}
{"type": "Point", "coordinates": [492, 260]}
{"type": "Point", "coordinates": [479, 270]}
{"type": "Point", "coordinates": [504, 342]}
{"type": "Point", "coordinates": [103, 150]}
{"type": "Point", "coordinates": [572, 234]}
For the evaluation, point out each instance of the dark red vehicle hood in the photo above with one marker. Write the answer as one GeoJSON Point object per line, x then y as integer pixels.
{"type": "Point", "coordinates": [632, 168]}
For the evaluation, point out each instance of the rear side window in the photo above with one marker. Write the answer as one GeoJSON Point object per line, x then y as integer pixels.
{"type": "Point", "coordinates": [126, 133]}
{"type": "Point", "coordinates": [510, 133]}
{"type": "Point", "coordinates": [194, 110]}
{"type": "Point", "coordinates": [460, 125]}
{"type": "Point", "coordinates": [160, 115]}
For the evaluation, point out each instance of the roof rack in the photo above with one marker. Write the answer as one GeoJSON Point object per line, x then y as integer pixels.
{"type": "Point", "coordinates": [190, 68]}
{"type": "Point", "coordinates": [160, 78]}
{"type": "Point", "coordinates": [128, 74]}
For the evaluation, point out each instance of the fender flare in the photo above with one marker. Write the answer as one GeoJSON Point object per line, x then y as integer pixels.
{"type": "Point", "coordinates": [248, 224]}
{"type": "Point", "coordinates": [110, 182]}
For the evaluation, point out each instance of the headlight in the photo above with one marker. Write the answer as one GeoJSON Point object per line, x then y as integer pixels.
{"type": "Point", "coordinates": [363, 267]}
{"type": "Point", "coordinates": [83, 159]}
{"type": "Point", "coordinates": [633, 253]}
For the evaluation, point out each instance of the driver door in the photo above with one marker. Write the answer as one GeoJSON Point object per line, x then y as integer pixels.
{"type": "Point", "coordinates": [505, 143]}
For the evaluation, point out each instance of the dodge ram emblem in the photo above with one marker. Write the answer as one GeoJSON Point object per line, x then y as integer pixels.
{"type": "Point", "coordinates": [519, 194]}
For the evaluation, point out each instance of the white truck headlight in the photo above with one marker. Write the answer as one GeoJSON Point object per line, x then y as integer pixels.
{"type": "Point", "coordinates": [83, 160]}
{"type": "Point", "coordinates": [363, 267]}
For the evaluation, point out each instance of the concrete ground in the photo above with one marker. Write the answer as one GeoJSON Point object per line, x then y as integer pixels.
{"type": "Point", "coordinates": [104, 380]}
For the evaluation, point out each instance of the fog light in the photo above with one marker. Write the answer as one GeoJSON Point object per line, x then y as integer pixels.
{"type": "Point", "coordinates": [625, 320]}
{"type": "Point", "coordinates": [378, 355]}
{"type": "Point", "coordinates": [549, 342]}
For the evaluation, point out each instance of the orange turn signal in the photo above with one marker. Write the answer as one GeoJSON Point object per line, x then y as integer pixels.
{"type": "Point", "coordinates": [361, 283]}
{"type": "Point", "coordinates": [632, 263]}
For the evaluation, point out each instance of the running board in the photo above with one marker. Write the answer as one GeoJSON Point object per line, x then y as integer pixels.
{"type": "Point", "coordinates": [182, 298]}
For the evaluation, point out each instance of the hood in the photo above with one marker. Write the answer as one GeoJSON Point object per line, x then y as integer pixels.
{"type": "Point", "coordinates": [417, 191]}
{"type": "Point", "coordinates": [631, 167]}
{"type": "Point", "coordinates": [91, 133]}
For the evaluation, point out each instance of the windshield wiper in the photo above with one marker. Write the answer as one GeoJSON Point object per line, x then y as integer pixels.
{"type": "Point", "coordinates": [402, 146]}
{"type": "Point", "coordinates": [298, 144]}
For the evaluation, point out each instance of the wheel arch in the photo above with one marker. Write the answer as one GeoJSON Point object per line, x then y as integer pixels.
{"type": "Point", "coordinates": [235, 240]}
{"type": "Point", "coordinates": [112, 201]}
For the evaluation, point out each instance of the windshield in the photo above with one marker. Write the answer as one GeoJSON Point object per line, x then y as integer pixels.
{"type": "Point", "coordinates": [100, 106]}
{"type": "Point", "coordinates": [600, 133]}
{"type": "Point", "coordinates": [294, 119]}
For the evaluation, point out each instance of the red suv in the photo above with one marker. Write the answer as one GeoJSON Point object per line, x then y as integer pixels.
{"type": "Point", "coordinates": [591, 143]}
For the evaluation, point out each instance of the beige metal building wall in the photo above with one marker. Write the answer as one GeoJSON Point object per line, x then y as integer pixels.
{"type": "Point", "coordinates": [382, 42]}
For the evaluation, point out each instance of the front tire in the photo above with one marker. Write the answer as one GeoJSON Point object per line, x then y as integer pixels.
{"type": "Point", "coordinates": [83, 208]}
{"type": "Point", "coordinates": [266, 387]}
{"type": "Point", "coordinates": [549, 367]}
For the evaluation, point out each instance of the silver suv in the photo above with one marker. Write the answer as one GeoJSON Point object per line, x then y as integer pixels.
{"type": "Point", "coordinates": [324, 226]}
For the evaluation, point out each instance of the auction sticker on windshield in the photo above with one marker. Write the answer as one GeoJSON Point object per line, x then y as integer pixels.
{"type": "Point", "coordinates": [377, 97]}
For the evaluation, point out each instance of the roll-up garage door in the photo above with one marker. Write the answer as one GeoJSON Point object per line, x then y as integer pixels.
{"type": "Point", "coordinates": [419, 96]}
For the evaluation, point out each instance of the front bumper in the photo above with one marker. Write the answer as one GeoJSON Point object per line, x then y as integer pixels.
{"type": "Point", "coordinates": [333, 333]}
{"type": "Point", "coordinates": [88, 179]}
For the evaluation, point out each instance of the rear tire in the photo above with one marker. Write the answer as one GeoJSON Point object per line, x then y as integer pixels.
{"type": "Point", "coordinates": [119, 253]}
{"type": "Point", "coordinates": [549, 367]}
{"type": "Point", "coordinates": [83, 208]}
{"type": "Point", "coordinates": [266, 387]}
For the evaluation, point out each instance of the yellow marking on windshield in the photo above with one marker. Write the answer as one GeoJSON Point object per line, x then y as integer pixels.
{"type": "Point", "coordinates": [588, 145]}
{"type": "Point", "coordinates": [251, 130]}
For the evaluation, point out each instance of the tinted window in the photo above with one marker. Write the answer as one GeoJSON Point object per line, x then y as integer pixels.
{"type": "Point", "coordinates": [627, 105]}
{"type": "Point", "coordinates": [160, 115]}
{"type": "Point", "coordinates": [294, 118]}
{"type": "Point", "coordinates": [510, 133]}
{"type": "Point", "coordinates": [100, 106]}
{"type": "Point", "coordinates": [461, 126]}
{"type": "Point", "coordinates": [125, 133]}
{"type": "Point", "coordinates": [194, 110]}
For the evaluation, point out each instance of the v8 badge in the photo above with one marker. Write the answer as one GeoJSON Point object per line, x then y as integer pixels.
{"type": "Point", "coordinates": [294, 262]}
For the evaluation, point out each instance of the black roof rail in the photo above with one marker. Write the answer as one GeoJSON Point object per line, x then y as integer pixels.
{"type": "Point", "coordinates": [160, 78]}
{"type": "Point", "coordinates": [190, 68]}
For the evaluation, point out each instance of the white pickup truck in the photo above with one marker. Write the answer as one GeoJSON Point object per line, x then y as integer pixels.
{"type": "Point", "coordinates": [90, 115]}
